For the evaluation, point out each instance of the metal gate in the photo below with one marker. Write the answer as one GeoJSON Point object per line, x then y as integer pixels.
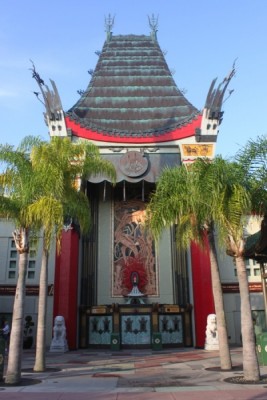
{"type": "Point", "coordinates": [135, 329]}
{"type": "Point", "coordinates": [171, 328]}
{"type": "Point", "coordinates": [100, 328]}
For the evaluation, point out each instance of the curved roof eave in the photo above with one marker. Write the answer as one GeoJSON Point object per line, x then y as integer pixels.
{"type": "Point", "coordinates": [186, 130]}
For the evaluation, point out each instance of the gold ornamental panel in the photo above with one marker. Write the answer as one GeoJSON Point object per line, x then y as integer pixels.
{"type": "Point", "coordinates": [197, 150]}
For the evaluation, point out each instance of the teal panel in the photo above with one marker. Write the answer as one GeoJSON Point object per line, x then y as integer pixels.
{"type": "Point", "coordinates": [135, 329]}
{"type": "Point", "coordinates": [100, 329]}
{"type": "Point", "coordinates": [171, 328]}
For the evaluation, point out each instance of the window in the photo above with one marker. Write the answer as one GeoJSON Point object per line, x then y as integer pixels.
{"type": "Point", "coordinates": [12, 260]}
{"type": "Point", "coordinates": [31, 274]}
{"type": "Point", "coordinates": [32, 253]}
{"type": "Point", "coordinates": [11, 274]}
{"type": "Point", "coordinates": [12, 264]}
{"type": "Point", "coordinates": [32, 259]}
{"type": "Point", "coordinates": [31, 264]}
{"type": "Point", "coordinates": [13, 254]}
{"type": "Point", "coordinates": [257, 272]}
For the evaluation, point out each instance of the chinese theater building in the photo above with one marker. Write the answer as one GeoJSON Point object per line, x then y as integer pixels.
{"type": "Point", "coordinates": [118, 288]}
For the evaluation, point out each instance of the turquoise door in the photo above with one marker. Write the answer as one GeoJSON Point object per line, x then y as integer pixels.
{"type": "Point", "coordinates": [171, 328]}
{"type": "Point", "coordinates": [100, 328]}
{"type": "Point", "coordinates": [135, 329]}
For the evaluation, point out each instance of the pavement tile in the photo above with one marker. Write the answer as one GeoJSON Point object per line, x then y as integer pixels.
{"type": "Point", "coordinates": [147, 365]}
{"type": "Point", "coordinates": [179, 374]}
{"type": "Point", "coordinates": [145, 396]}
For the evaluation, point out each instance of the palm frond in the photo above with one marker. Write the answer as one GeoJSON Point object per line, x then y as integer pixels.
{"type": "Point", "coordinates": [46, 213]}
{"type": "Point", "coordinates": [77, 206]}
{"type": "Point", "coordinates": [195, 198]}
{"type": "Point", "coordinates": [252, 158]}
{"type": "Point", "coordinates": [28, 143]}
{"type": "Point", "coordinates": [8, 207]}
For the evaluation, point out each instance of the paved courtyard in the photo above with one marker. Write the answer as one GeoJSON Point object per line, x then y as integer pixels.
{"type": "Point", "coordinates": [184, 374]}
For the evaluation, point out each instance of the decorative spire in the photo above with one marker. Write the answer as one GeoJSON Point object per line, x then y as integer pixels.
{"type": "Point", "coordinates": [153, 23]}
{"type": "Point", "coordinates": [215, 97]}
{"type": "Point", "coordinates": [51, 99]}
{"type": "Point", "coordinates": [54, 114]}
{"type": "Point", "coordinates": [109, 22]}
{"type": "Point", "coordinates": [212, 115]}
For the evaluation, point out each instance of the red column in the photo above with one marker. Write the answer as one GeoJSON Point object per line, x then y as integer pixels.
{"type": "Point", "coordinates": [202, 291]}
{"type": "Point", "coordinates": [66, 284]}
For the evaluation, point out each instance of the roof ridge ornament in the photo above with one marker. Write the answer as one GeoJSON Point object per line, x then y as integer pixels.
{"type": "Point", "coordinates": [54, 114]}
{"type": "Point", "coordinates": [212, 113]}
{"type": "Point", "coordinates": [215, 97]}
{"type": "Point", "coordinates": [153, 23]}
{"type": "Point", "coordinates": [109, 23]}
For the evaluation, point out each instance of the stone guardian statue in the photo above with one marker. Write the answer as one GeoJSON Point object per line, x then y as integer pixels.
{"type": "Point", "coordinates": [59, 341]}
{"type": "Point", "coordinates": [211, 342]}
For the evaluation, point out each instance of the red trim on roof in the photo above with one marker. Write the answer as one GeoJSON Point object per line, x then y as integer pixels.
{"type": "Point", "coordinates": [179, 133]}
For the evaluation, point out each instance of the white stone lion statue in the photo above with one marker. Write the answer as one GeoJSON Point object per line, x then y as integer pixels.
{"type": "Point", "coordinates": [59, 342]}
{"type": "Point", "coordinates": [211, 342]}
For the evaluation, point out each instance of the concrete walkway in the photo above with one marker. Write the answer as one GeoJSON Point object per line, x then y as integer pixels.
{"type": "Point", "coordinates": [184, 374]}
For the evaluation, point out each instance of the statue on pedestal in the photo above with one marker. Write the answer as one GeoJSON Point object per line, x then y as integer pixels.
{"type": "Point", "coordinates": [59, 342]}
{"type": "Point", "coordinates": [135, 296]}
{"type": "Point", "coordinates": [211, 342]}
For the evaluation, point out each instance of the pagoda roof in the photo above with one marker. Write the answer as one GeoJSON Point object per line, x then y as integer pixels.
{"type": "Point", "coordinates": [132, 96]}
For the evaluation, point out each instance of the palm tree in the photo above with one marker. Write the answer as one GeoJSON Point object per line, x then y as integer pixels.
{"type": "Point", "coordinates": [19, 185]}
{"type": "Point", "coordinates": [50, 211]}
{"type": "Point", "coordinates": [217, 195]}
{"type": "Point", "coordinates": [63, 165]}
{"type": "Point", "coordinates": [252, 160]}
{"type": "Point", "coordinates": [189, 198]}
{"type": "Point", "coordinates": [235, 203]}
{"type": "Point", "coordinates": [235, 248]}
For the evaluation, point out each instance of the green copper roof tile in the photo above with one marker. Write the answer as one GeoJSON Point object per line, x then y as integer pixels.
{"type": "Point", "coordinates": [132, 91]}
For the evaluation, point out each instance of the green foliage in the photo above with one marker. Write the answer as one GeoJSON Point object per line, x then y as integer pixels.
{"type": "Point", "coordinates": [195, 197]}
{"type": "Point", "coordinates": [42, 183]}
{"type": "Point", "coordinates": [253, 161]}
{"type": "Point", "coordinates": [47, 213]}
{"type": "Point", "coordinates": [18, 181]}
{"type": "Point", "coordinates": [62, 166]}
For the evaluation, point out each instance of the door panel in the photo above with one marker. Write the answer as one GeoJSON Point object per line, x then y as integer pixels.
{"type": "Point", "coordinates": [171, 328]}
{"type": "Point", "coordinates": [100, 328]}
{"type": "Point", "coordinates": [135, 329]}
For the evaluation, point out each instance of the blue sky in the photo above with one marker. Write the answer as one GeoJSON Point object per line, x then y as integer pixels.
{"type": "Point", "coordinates": [201, 38]}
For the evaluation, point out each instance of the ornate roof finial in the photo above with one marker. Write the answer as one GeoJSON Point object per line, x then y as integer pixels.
{"type": "Point", "coordinates": [54, 114]}
{"type": "Point", "coordinates": [153, 23]}
{"type": "Point", "coordinates": [109, 22]}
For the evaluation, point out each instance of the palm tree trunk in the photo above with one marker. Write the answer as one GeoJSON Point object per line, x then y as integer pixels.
{"type": "Point", "coordinates": [225, 357]}
{"type": "Point", "coordinates": [250, 362]}
{"type": "Point", "coordinates": [13, 374]}
{"type": "Point", "coordinates": [40, 365]}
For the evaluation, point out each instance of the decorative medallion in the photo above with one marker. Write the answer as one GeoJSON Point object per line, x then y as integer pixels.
{"type": "Point", "coordinates": [133, 164]}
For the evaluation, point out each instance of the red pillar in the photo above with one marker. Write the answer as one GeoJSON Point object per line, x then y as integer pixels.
{"type": "Point", "coordinates": [202, 291]}
{"type": "Point", "coordinates": [66, 284]}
